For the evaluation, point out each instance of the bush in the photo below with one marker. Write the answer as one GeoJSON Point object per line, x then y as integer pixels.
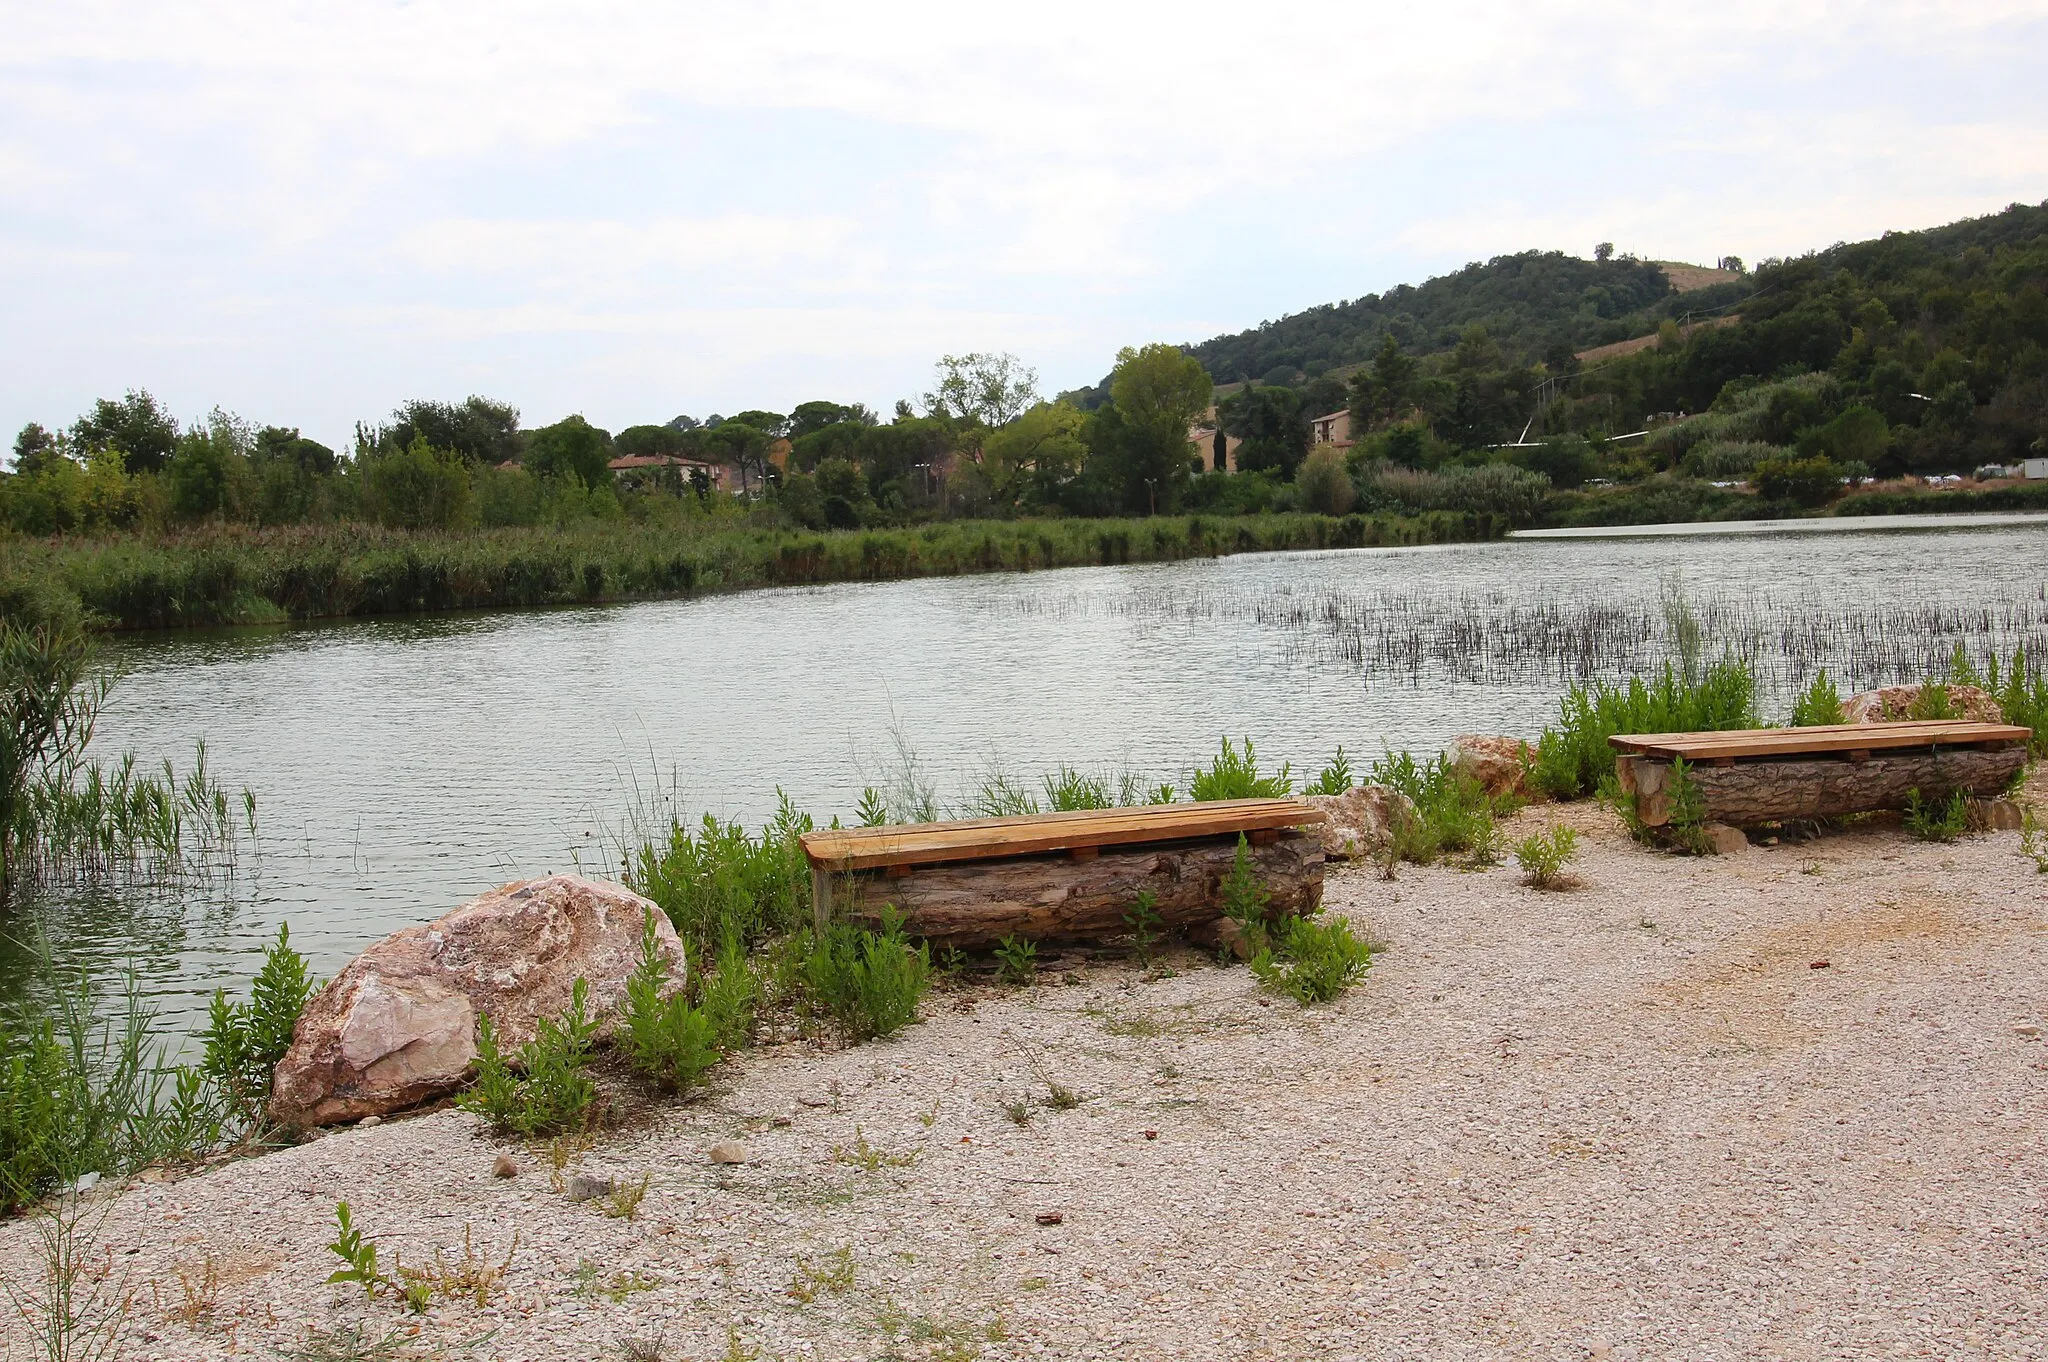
{"type": "Point", "coordinates": [1245, 900]}
{"type": "Point", "coordinates": [719, 885]}
{"type": "Point", "coordinates": [543, 1089]}
{"type": "Point", "coordinates": [1819, 704]}
{"type": "Point", "coordinates": [245, 1041]}
{"type": "Point", "coordinates": [1937, 820]}
{"type": "Point", "coordinates": [1452, 810]}
{"type": "Point", "coordinates": [1317, 960]}
{"type": "Point", "coordinates": [1808, 482]}
{"type": "Point", "coordinates": [1322, 484]}
{"type": "Point", "coordinates": [416, 487]}
{"type": "Point", "coordinates": [869, 983]}
{"type": "Point", "coordinates": [1574, 759]}
{"type": "Point", "coordinates": [1335, 778]}
{"type": "Point", "coordinates": [666, 1038]}
{"type": "Point", "coordinates": [1235, 775]}
{"type": "Point", "coordinates": [1543, 857]}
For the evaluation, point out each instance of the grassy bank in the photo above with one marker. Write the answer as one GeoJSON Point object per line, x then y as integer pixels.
{"type": "Point", "coordinates": [237, 575]}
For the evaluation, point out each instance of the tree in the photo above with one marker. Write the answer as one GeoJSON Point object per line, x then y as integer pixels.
{"type": "Point", "coordinates": [1029, 458]}
{"type": "Point", "coordinates": [143, 432]}
{"type": "Point", "coordinates": [810, 417]}
{"type": "Point", "coordinates": [571, 447]}
{"type": "Point", "coordinates": [1139, 454]}
{"type": "Point", "coordinates": [654, 441]}
{"type": "Point", "coordinates": [742, 445]}
{"type": "Point", "coordinates": [200, 473]}
{"type": "Point", "coordinates": [417, 487]}
{"type": "Point", "coordinates": [771, 424]}
{"type": "Point", "coordinates": [839, 440]}
{"type": "Point", "coordinates": [990, 388]}
{"type": "Point", "coordinates": [1604, 252]}
{"type": "Point", "coordinates": [842, 494]}
{"type": "Point", "coordinates": [1385, 391]}
{"type": "Point", "coordinates": [477, 428]}
{"type": "Point", "coordinates": [35, 448]}
{"type": "Point", "coordinates": [1273, 426]}
{"type": "Point", "coordinates": [1323, 483]}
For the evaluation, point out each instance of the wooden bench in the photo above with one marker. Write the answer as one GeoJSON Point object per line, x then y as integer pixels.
{"type": "Point", "coordinates": [973, 882]}
{"type": "Point", "coordinates": [1767, 775]}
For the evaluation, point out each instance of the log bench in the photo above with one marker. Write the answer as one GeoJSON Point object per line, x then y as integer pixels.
{"type": "Point", "coordinates": [1769, 775]}
{"type": "Point", "coordinates": [1071, 874]}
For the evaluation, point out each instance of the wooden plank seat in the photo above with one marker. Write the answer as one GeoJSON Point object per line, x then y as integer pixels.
{"type": "Point", "coordinates": [974, 881]}
{"type": "Point", "coordinates": [1766, 775]}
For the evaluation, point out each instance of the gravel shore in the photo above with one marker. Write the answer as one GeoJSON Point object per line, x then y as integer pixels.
{"type": "Point", "coordinates": [1783, 1104]}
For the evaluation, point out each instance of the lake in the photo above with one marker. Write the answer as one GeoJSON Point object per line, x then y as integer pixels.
{"type": "Point", "coordinates": [402, 766]}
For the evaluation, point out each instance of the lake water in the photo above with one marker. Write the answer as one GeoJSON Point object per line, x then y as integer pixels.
{"type": "Point", "coordinates": [402, 766]}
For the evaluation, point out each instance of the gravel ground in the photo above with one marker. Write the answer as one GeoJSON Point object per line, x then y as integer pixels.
{"type": "Point", "coordinates": [1784, 1104]}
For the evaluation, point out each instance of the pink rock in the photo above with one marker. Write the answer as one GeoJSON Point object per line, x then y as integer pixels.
{"type": "Point", "coordinates": [1893, 703]}
{"type": "Point", "coordinates": [1360, 820]}
{"type": "Point", "coordinates": [1500, 765]}
{"type": "Point", "coordinates": [398, 1025]}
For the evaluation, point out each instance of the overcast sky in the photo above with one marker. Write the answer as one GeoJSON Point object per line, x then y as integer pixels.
{"type": "Point", "coordinates": [307, 213]}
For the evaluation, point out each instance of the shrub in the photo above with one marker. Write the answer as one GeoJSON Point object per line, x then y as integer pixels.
{"type": "Point", "coordinates": [1335, 778]}
{"type": "Point", "coordinates": [1932, 702]}
{"type": "Point", "coordinates": [869, 983]}
{"type": "Point", "coordinates": [1322, 484]}
{"type": "Point", "coordinates": [1819, 704]}
{"type": "Point", "coordinates": [1809, 482]}
{"type": "Point", "coordinates": [1016, 960]}
{"type": "Point", "coordinates": [1235, 775]}
{"type": "Point", "coordinates": [1937, 820]}
{"type": "Point", "coordinates": [717, 884]}
{"type": "Point", "coordinates": [1317, 960]}
{"type": "Point", "coordinates": [1543, 857]}
{"type": "Point", "coordinates": [1573, 759]}
{"type": "Point", "coordinates": [551, 1093]}
{"type": "Point", "coordinates": [1452, 810]}
{"type": "Point", "coordinates": [666, 1038]}
{"type": "Point", "coordinates": [1245, 900]}
{"type": "Point", "coordinates": [245, 1041]}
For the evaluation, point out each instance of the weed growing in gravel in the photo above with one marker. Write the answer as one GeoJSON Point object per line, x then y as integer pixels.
{"type": "Point", "coordinates": [473, 1277]}
{"type": "Point", "coordinates": [1018, 1109]}
{"type": "Point", "coordinates": [1245, 900]}
{"type": "Point", "coordinates": [1142, 917]}
{"type": "Point", "coordinates": [1543, 857]}
{"type": "Point", "coordinates": [623, 1201]}
{"type": "Point", "coordinates": [76, 1307]}
{"type": "Point", "coordinates": [1452, 810]}
{"type": "Point", "coordinates": [834, 1274]}
{"type": "Point", "coordinates": [1937, 820]}
{"type": "Point", "coordinates": [555, 1093]}
{"type": "Point", "coordinates": [2033, 841]}
{"type": "Point", "coordinates": [870, 983]}
{"type": "Point", "coordinates": [1317, 960]}
{"type": "Point", "coordinates": [616, 1288]}
{"type": "Point", "coordinates": [643, 1349]}
{"type": "Point", "coordinates": [870, 1158]}
{"type": "Point", "coordinates": [351, 1342]}
{"type": "Point", "coordinates": [358, 1254]}
{"type": "Point", "coordinates": [198, 1290]}
{"type": "Point", "coordinates": [1016, 961]}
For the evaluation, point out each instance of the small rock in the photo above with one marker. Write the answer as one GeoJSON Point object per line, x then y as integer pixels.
{"type": "Point", "coordinates": [1151, 1134]}
{"type": "Point", "coordinates": [503, 1167]}
{"type": "Point", "coordinates": [2027, 1028]}
{"type": "Point", "coordinates": [588, 1186]}
{"type": "Point", "coordinates": [728, 1151]}
{"type": "Point", "coordinates": [782, 1121]}
{"type": "Point", "coordinates": [2001, 815]}
{"type": "Point", "coordinates": [369, 1121]}
{"type": "Point", "coordinates": [86, 1182]}
{"type": "Point", "coordinates": [1050, 1218]}
{"type": "Point", "coordinates": [1818, 964]}
{"type": "Point", "coordinates": [1725, 840]}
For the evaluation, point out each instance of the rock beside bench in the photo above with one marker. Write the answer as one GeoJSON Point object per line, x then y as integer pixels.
{"type": "Point", "coordinates": [398, 1025]}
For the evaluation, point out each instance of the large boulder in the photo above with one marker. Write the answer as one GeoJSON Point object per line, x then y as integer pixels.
{"type": "Point", "coordinates": [1361, 820]}
{"type": "Point", "coordinates": [398, 1025]}
{"type": "Point", "coordinates": [1500, 765]}
{"type": "Point", "coordinates": [1892, 703]}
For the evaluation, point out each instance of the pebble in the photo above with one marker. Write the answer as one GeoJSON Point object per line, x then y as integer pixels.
{"type": "Point", "coordinates": [728, 1151]}
{"type": "Point", "coordinates": [2028, 1028]}
{"type": "Point", "coordinates": [588, 1186]}
{"type": "Point", "coordinates": [369, 1122]}
{"type": "Point", "coordinates": [503, 1167]}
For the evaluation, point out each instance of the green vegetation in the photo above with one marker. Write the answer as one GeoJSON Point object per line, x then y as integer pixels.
{"type": "Point", "coordinates": [1235, 775]}
{"type": "Point", "coordinates": [869, 983]}
{"type": "Point", "coordinates": [1452, 812]}
{"type": "Point", "coordinates": [1819, 704]}
{"type": "Point", "coordinates": [1317, 960]}
{"type": "Point", "coordinates": [1017, 961]}
{"type": "Point", "coordinates": [1335, 778]}
{"type": "Point", "coordinates": [668, 1040]}
{"type": "Point", "coordinates": [1937, 819]}
{"type": "Point", "coordinates": [550, 1091]}
{"type": "Point", "coordinates": [1574, 759]}
{"type": "Point", "coordinates": [1543, 857]}
{"type": "Point", "coordinates": [1244, 899]}
{"type": "Point", "coordinates": [210, 574]}
{"type": "Point", "coordinates": [245, 1040]}
{"type": "Point", "coordinates": [2034, 839]}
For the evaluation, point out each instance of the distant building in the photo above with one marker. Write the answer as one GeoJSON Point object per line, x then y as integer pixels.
{"type": "Point", "coordinates": [1334, 429]}
{"type": "Point", "coordinates": [1217, 451]}
{"type": "Point", "coordinates": [2034, 468]}
{"type": "Point", "coordinates": [632, 470]}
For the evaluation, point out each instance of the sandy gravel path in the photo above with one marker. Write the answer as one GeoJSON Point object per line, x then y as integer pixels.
{"type": "Point", "coordinates": [1635, 1120]}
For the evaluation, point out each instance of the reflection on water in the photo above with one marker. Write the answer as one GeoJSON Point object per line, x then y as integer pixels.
{"type": "Point", "coordinates": [401, 766]}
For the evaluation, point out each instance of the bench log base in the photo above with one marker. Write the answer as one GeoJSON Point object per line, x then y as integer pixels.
{"type": "Point", "coordinates": [1749, 793]}
{"type": "Point", "coordinates": [977, 903]}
